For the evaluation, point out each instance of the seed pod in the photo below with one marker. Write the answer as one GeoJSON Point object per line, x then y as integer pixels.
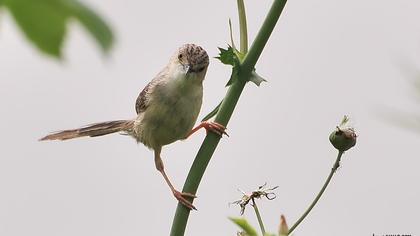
{"type": "Point", "coordinates": [344, 137]}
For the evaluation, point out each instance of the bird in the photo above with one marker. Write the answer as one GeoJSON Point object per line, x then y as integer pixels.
{"type": "Point", "coordinates": [167, 109]}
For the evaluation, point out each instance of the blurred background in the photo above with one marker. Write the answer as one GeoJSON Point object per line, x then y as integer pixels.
{"type": "Point", "coordinates": [324, 59]}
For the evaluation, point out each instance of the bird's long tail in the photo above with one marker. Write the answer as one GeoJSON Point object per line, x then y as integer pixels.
{"type": "Point", "coordinates": [93, 130]}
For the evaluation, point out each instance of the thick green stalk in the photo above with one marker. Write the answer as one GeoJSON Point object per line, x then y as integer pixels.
{"type": "Point", "coordinates": [223, 116]}
{"type": "Point", "coordinates": [261, 39]}
{"type": "Point", "coordinates": [327, 181]}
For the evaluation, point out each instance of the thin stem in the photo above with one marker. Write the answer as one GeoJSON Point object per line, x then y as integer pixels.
{"type": "Point", "coordinates": [333, 169]}
{"type": "Point", "coordinates": [223, 116]}
{"type": "Point", "coordinates": [231, 34]}
{"type": "Point", "coordinates": [242, 27]}
{"type": "Point", "coordinates": [257, 213]}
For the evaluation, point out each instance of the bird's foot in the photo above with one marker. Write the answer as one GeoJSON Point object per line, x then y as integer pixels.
{"type": "Point", "coordinates": [180, 196]}
{"type": "Point", "coordinates": [210, 126]}
{"type": "Point", "coordinates": [215, 128]}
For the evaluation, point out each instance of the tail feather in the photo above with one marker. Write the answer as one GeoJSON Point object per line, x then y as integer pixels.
{"type": "Point", "coordinates": [93, 130]}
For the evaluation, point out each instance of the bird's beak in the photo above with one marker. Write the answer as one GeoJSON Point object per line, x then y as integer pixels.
{"type": "Point", "coordinates": [187, 68]}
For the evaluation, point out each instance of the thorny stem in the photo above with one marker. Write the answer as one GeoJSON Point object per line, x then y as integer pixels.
{"type": "Point", "coordinates": [224, 114]}
{"type": "Point", "coordinates": [333, 170]}
{"type": "Point", "coordinates": [257, 213]}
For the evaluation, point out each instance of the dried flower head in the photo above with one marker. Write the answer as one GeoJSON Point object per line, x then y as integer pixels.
{"type": "Point", "coordinates": [261, 192]}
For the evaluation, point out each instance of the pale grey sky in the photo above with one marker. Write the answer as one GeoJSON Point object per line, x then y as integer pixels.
{"type": "Point", "coordinates": [325, 59]}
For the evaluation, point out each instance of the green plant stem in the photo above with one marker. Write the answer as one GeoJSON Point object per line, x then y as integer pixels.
{"type": "Point", "coordinates": [223, 116]}
{"type": "Point", "coordinates": [327, 181]}
{"type": "Point", "coordinates": [243, 27]}
{"type": "Point", "coordinates": [257, 213]}
{"type": "Point", "coordinates": [261, 39]}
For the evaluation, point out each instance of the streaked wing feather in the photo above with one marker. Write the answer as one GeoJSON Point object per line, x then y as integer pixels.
{"type": "Point", "coordinates": [143, 99]}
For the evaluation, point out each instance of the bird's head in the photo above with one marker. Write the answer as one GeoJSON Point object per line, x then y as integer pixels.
{"type": "Point", "coordinates": [193, 59]}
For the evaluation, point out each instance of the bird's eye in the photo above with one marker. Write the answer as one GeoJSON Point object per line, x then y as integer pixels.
{"type": "Point", "coordinates": [200, 69]}
{"type": "Point", "coordinates": [180, 56]}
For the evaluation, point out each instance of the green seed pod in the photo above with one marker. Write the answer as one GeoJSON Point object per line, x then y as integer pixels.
{"type": "Point", "coordinates": [344, 137]}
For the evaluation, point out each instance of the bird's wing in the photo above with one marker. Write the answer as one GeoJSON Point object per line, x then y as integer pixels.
{"type": "Point", "coordinates": [143, 99]}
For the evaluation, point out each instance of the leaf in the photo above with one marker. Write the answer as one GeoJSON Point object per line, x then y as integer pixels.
{"type": "Point", "coordinates": [256, 79]}
{"type": "Point", "coordinates": [96, 26]}
{"type": "Point", "coordinates": [233, 76]}
{"type": "Point", "coordinates": [212, 113]}
{"type": "Point", "coordinates": [231, 34]}
{"type": "Point", "coordinates": [233, 57]}
{"type": "Point", "coordinates": [243, 224]}
{"type": "Point", "coordinates": [44, 22]}
{"type": "Point", "coordinates": [230, 57]}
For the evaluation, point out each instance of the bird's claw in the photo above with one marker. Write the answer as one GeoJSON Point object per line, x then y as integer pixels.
{"type": "Point", "coordinates": [210, 126]}
{"type": "Point", "coordinates": [215, 128]}
{"type": "Point", "coordinates": [180, 196]}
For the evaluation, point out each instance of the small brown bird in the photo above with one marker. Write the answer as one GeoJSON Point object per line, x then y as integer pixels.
{"type": "Point", "coordinates": [167, 110]}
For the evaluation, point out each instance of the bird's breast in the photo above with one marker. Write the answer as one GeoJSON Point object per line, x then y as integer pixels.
{"type": "Point", "coordinates": [171, 114]}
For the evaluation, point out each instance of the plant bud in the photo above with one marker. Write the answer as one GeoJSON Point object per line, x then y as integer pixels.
{"type": "Point", "coordinates": [284, 229]}
{"type": "Point", "coordinates": [344, 137]}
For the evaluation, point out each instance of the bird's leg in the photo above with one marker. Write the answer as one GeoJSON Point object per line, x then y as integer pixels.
{"type": "Point", "coordinates": [180, 196]}
{"type": "Point", "coordinates": [210, 126]}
